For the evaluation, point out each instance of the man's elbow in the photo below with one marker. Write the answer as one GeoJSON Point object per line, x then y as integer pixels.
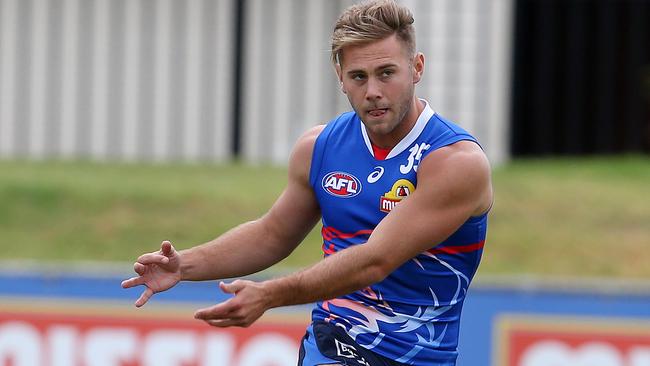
{"type": "Point", "coordinates": [379, 269]}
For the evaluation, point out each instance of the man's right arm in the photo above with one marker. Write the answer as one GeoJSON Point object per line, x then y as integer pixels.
{"type": "Point", "coordinates": [246, 249]}
{"type": "Point", "coordinates": [258, 244]}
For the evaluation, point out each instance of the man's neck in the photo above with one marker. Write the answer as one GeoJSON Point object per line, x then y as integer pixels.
{"type": "Point", "coordinates": [391, 139]}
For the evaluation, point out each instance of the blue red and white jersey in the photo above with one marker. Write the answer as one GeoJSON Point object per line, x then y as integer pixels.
{"type": "Point", "coordinates": [413, 315]}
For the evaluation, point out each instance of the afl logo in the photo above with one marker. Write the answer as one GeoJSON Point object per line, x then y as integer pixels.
{"type": "Point", "coordinates": [341, 184]}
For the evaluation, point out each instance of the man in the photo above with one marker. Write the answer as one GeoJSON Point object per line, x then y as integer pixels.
{"type": "Point", "coordinates": [403, 195]}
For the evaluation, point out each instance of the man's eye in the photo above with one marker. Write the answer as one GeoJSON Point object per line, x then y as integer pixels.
{"type": "Point", "coordinates": [358, 77]}
{"type": "Point", "coordinates": [386, 73]}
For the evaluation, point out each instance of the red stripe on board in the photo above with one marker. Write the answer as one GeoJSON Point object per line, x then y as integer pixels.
{"type": "Point", "coordinates": [459, 249]}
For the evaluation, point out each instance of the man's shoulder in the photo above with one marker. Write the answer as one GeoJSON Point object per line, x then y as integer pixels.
{"type": "Point", "coordinates": [458, 154]}
{"type": "Point", "coordinates": [461, 170]}
{"type": "Point", "coordinates": [306, 142]}
{"type": "Point", "coordinates": [312, 133]}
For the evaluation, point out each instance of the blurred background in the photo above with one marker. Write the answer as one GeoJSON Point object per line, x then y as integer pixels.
{"type": "Point", "coordinates": [127, 122]}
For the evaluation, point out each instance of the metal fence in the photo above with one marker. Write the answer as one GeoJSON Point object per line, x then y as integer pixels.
{"type": "Point", "coordinates": [191, 80]}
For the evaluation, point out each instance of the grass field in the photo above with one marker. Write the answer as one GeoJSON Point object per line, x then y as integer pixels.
{"type": "Point", "coordinates": [577, 217]}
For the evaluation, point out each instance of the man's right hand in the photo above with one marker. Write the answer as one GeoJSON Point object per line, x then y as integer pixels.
{"type": "Point", "coordinates": [158, 271]}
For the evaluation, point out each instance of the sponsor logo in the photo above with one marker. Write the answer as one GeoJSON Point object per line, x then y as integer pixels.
{"type": "Point", "coordinates": [100, 337]}
{"type": "Point", "coordinates": [545, 341]}
{"type": "Point", "coordinates": [341, 184]}
{"type": "Point", "coordinates": [400, 190]}
{"type": "Point", "coordinates": [375, 175]}
{"type": "Point", "coordinates": [348, 351]}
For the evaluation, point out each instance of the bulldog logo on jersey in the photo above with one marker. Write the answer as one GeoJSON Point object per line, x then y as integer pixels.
{"type": "Point", "coordinates": [341, 184]}
{"type": "Point", "coordinates": [400, 190]}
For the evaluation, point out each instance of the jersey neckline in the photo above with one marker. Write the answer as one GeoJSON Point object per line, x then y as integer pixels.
{"type": "Point", "coordinates": [409, 139]}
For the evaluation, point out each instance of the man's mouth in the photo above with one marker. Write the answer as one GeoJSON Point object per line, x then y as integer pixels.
{"type": "Point", "coordinates": [377, 112]}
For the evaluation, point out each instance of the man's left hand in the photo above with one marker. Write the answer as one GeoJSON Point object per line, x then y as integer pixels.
{"type": "Point", "coordinates": [242, 310]}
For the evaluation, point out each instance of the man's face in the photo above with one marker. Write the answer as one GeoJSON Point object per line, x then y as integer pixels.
{"type": "Point", "coordinates": [379, 80]}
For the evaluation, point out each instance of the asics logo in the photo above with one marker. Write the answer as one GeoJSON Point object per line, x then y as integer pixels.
{"type": "Point", "coordinates": [376, 174]}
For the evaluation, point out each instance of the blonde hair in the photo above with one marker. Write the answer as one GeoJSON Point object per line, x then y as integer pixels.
{"type": "Point", "coordinates": [372, 21]}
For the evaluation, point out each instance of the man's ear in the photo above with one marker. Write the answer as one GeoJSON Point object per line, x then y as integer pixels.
{"type": "Point", "coordinates": [339, 74]}
{"type": "Point", "coordinates": [418, 67]}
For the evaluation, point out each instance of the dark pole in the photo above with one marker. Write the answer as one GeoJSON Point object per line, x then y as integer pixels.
{"type": "Point", "coordinates": [238, 58]}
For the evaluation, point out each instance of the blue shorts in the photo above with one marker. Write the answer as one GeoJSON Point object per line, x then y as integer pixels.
{"type": "Point", "coordinates": [310, 354]}
{"type": "Point", "coordinates": [327, 344]}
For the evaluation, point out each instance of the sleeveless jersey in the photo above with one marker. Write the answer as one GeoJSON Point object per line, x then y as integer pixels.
{"type": "Point", "coordinates": [413, 315]}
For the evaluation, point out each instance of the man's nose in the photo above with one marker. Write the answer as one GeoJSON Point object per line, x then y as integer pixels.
{"type": "Point", "coordinates": [373, 90]}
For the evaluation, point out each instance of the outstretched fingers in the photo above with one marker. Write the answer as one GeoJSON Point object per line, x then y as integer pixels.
{"type": "Point", "coordinates": [133, 281]}
{"type": "Point", "coordinates": [146, 295]}
{"type": "Point", "coordinates": [154, 271]}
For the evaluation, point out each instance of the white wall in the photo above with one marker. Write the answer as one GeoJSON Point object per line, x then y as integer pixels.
{"type": "Point", "coordinates": [125, 79]}
{"type": "Point", "coordinates": [152, 79]}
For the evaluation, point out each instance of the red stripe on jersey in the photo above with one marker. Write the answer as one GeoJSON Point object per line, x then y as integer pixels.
{"type": "Point", "coordinates": [458, 249]}
{"type": "Point", "coordinates": [330, 233]}
{"type": "Point", "coordinates": [328, 249]}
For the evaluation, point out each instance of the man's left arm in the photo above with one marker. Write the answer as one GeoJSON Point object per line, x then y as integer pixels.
{"type": "Point", "coordinates": [453, 185]}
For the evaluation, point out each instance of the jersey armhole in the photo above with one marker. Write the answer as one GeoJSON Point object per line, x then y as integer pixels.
{"type": "Point", "coordinates": [318, 153]}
